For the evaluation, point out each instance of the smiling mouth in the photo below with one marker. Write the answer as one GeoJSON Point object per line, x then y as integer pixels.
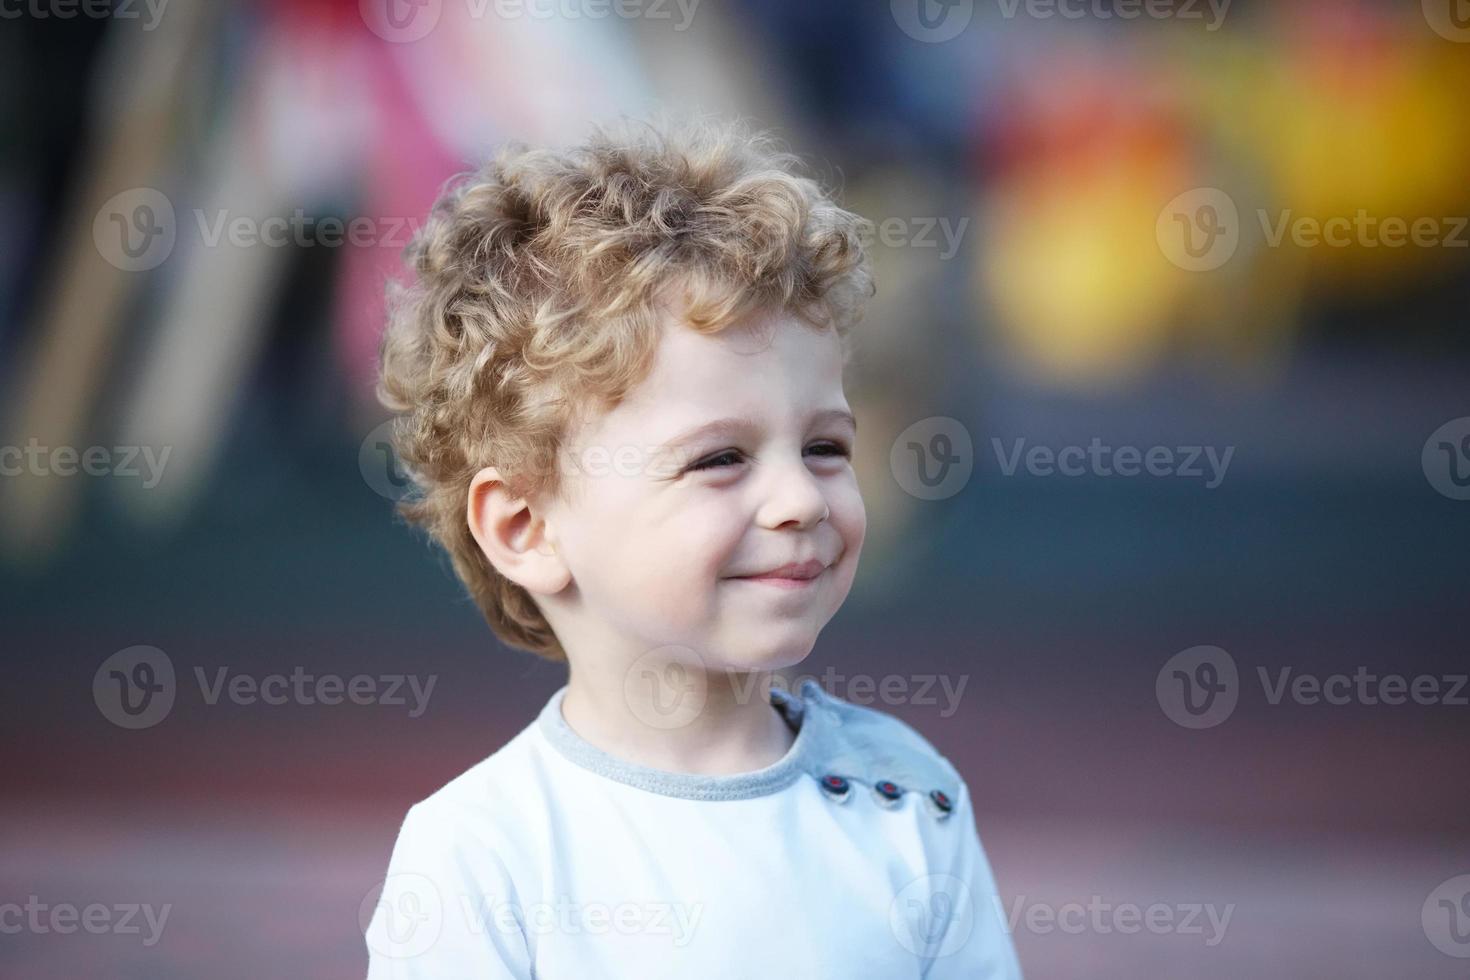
{"type": "Point", "coordinates": [782, 581]}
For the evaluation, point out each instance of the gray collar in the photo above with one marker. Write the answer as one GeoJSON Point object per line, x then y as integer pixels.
{"type": "Point", "coordinates": [690, 786]}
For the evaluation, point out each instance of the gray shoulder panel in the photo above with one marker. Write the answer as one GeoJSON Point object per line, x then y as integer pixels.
{"type": "Point", "coordinates": [868, 747]}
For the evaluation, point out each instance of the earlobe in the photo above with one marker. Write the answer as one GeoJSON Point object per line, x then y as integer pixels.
{"type": "Point", "coordinates": [514, 537]}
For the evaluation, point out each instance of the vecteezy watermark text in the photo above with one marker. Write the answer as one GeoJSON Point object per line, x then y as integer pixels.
{"type": "Point", "coordinates": [1103, 917]}
{"type": "Point", "coordinates": [90, 9]}
{"type": "Point", "coordinates": [1200, 687]}
{"type": "Point", "coordinates": [406, 916]}
{"type": "Point", "coordinates": [300, 687]}
{"type": "Point", "coordinates": [137, 229]}
{"type": "Point", "coordinates": [406, 21]}
{"type": "Point", "coordinates": [890, 690]}
{"type": "Point", "coordinates": [1211, 12]}
{"type": "Point", "coordinates": [1201, 229]}
{"type": "Point", "coordinates": [669, 686]}
{"type": "Point", "coordinates": [677, 920]}
{"type": "Point", "coordinates": [64, 918]}
{"type": "Point", "coordinates": [937, 21]}
{"type": "Point", "coordinates": [1208, 463]}
{"type": "Point", "coordinates": [925, 232]}
{"type": "Point", "coordinates": [38, 460]}
{"type": "Point", "coordinates": [135, 688]}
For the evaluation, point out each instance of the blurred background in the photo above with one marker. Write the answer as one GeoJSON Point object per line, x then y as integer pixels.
{"type": "Point", "coordinates": [1165, 401]}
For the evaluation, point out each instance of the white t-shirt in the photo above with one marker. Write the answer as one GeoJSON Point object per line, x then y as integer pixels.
{"type": "Point", "coordinates": [855, 855]}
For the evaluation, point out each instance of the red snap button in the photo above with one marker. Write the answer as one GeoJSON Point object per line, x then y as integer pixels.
{"type": "Point", "coordinates": [888, 791]}
{"type": "Point", "coordinates": [836, 787]}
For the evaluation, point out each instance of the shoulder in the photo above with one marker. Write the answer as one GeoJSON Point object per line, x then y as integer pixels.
{"type": "Point", "coordinates": [875, 749]}
{"type": "Point", "coordinates": [485, 804]}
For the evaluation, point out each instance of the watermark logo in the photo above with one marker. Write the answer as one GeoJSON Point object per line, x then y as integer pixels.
{"type": "Point", "coordinates": [138, 229]}
{"type": "Point", "coordinates": [1446, 917]}
{"type": "Point", "coordinates": [400, 21]}
{"type": "Point", "coordinates": [932, 21]}
{"type": "Point", "coordinates": [134, 688]}
{"type": "Point", "coordinates": [561, 916]}
{"type": "Point", "coordinates": [667, 687]}
{"type": "Point", "coordinates": [1450, 19]}
{"type": "Point", "coordinates": [1446, 459]}
{"type": "Point", "coordinates": [135, 230]}
{"type": "Point", "coordinates": [379, 465]}
{"type": "Point", "coordinates": [933, 458]}
{"type": "Point", "coordinates": [407, 915]}
{"type": "Point", "coordinates": [932, 916]}
{"type": "Point", "coordinates": [1199, 230]}
{"type": "Point", "coordinates": [404, 918]}
{"type": "Point", "coordinates": [1198, 687]}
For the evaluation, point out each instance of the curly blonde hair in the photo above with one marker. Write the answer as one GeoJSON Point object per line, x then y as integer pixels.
{"type": "Point", "coordinates": [537, 287]}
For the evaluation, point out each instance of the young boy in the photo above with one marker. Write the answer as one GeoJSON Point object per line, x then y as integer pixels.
{"type": "Point", "coordinates": [618, 379]}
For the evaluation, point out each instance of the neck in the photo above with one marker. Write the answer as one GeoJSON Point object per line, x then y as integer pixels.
{"type": "Point", "coordinates": [679, 717]}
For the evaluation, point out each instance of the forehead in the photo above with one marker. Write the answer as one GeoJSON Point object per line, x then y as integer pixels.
{"type": "Point", "coordinates": [766, 368]}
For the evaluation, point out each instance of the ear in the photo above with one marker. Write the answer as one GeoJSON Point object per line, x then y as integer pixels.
{"type": "Point", "coordinates": [514, 537]}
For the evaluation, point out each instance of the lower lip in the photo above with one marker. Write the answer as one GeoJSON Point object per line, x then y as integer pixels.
{"type": "Point", "coordinates": [782, 583]}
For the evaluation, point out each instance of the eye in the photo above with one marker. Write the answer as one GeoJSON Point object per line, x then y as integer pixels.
{"type": "Point", "coordinates": [730, 457]}
{"type": "Point", "coordinates": [831, 449]}
{"type": "Point", "coordinates": [726, 457]}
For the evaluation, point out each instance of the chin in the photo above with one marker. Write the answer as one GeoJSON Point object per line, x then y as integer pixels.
{"type": "Point", "coordinates": [776, 654]}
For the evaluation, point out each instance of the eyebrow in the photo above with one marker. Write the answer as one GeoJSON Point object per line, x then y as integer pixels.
{"type": "Point", "coordinates": [744, 423]}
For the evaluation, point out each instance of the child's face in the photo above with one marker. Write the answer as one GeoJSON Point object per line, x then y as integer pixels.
{"type": "Point", "coordinates": [657, 529]}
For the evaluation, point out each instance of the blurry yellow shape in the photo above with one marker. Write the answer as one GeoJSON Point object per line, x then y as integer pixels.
{"type": "Point", "coordinates": [1366, 135]}
{"type": "Point", "coordinates": [1074, 273]}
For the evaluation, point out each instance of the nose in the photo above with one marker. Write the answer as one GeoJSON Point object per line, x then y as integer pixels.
{"type": "Point", "coordinates": [791, 494]}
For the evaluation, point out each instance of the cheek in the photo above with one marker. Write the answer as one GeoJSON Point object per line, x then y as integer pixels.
{"type": "Point", "coordinates": [850, 518]}
{"type": "Point", "coordinates": [704, 541]}
{"type": "Point", "coordinates": [658, 570]}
